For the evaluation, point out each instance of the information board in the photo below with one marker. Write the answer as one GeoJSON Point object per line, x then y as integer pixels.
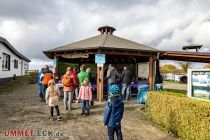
{"type": "Point", "coordinates": [99, 58]}
{"type": "Point", "coordinates": [199, 84]}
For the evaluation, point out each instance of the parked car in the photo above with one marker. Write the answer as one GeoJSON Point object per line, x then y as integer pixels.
{"type": "Point", "coordinates": [183, 80]}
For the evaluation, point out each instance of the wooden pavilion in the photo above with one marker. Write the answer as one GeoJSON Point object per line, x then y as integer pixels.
{"type": "Point", "coordinates": [117, 50]}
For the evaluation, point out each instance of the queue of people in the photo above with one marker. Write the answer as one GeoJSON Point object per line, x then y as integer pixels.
{"type": "Point", "coordinates": [75, 84]}
{"type": "Point", "coordinates": [78, 83]}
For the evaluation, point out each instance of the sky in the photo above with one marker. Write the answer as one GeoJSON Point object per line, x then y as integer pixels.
{"type": "Point", "coordinates": [33, 26]}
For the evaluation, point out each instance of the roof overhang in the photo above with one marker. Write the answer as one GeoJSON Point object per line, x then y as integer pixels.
{"type": "Point", "coordinates": [12, 49]}
{"type": "Point", "coordinates": [105, 50]}
{"type": "Point", "coordinates": [185, 56]}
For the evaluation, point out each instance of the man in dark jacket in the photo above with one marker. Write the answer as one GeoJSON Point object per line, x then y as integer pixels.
{"type": "Point", "coordinates": [113, 113]}
{"type": "Point", "coordinates": [112, 76]}
{"type": "Point", "coordinates": [126, 78]}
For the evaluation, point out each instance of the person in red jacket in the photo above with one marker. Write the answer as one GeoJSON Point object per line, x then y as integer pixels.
{"type": "Point", "coordinates": [76, 81]}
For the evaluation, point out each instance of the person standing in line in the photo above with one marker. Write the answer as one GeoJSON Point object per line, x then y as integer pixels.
{"type": "Point", "coordinates": [40, 85]}
{"type": "Point", "coordinates": [46, 76]}
{"type": "Point", "coordinates": [52, 97]}
{"type": "Point", "coordinates": [112, 76]}
{"type": "Point", "coordinates": [126, 78]}
{"type": "Point", "coordinates": [85, 94]}
{"type": "Point", "coordinates": [68, 88]}
{"type": "Point", "coordinates": [113, 113]}
{"type": "Point", "coordinates": [83, 74]}
{"type": "Point", "coordinates": [92, 80]}
{"type": "Point", "coordinates": [91, 77]}
{"type": "Point", "coordinates": [76, 81]}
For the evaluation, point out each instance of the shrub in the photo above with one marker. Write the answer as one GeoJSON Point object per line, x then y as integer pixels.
{"type": "Point", "coordinates": [187, 118]}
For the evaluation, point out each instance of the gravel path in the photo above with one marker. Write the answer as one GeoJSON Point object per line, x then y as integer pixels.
{"type": "Point", "coordinates": [20, 109]}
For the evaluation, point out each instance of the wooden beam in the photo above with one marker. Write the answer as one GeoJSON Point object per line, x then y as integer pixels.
{"type": "Point", "coordinates": [100, 83]}
{"type": "Point", "coordinates": [151, 73]}
{"type": "Point", "coordinates": [186, 55]}
{"type": "Point", "coordinates": [126, 53]}
{"type": "Point", "coordinates": [97, 81]}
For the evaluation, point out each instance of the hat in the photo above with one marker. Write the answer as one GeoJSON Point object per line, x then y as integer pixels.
{"type": "Point", "coordinates": [114, 89]}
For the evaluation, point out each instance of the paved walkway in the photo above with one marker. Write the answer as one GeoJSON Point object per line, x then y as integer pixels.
{"type": "Point", "coordinates": [20, 109]}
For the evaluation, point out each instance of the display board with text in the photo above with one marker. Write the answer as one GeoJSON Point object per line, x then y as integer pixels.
{"type": "Point", "coordinates": [199, 84]}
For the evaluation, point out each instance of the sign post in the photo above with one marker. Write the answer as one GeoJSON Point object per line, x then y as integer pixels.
{"type": "Point", "coordinates": [100, 60]}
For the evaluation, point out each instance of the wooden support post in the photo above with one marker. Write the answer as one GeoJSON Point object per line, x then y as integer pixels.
{"type": "Point", "coordinates": [151, 73]}
{"type": "Point", "coordinates": [97, 83]}
{"type": "Point", "coordinates": [100, 82]}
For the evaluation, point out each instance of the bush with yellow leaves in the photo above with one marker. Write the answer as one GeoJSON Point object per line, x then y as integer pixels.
{"type": "Point", "coordinates": [187, 118]}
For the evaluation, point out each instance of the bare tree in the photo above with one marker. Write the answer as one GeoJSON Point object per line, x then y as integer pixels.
{"type": "Point", "coordinates": [185, 66]}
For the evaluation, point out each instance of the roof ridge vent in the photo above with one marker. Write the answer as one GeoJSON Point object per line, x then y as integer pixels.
{"type": "Point", "coordinates": [106, 30]}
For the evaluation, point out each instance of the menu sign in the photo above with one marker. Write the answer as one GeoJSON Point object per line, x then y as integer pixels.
{"type": "Point", "coordinates": [199, 84]}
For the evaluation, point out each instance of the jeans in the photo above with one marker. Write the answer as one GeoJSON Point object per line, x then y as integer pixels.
{"type": "Point", "coordinates": [67, 100]}
{"type": "Point", "coordinates": [40, 91]}
{"type": "Point", "coordinates": [85, 105]}
{"type": "Point", "coordinates": [107, 96]}
{"type": "Point", "coordinates": [111, 132]}
{"type": "Point", "coordinates": [126, 91]}
{"type": "Point", "coordinates": [44, 88]}
{"type": "Point", "coordinates": [76, 92]}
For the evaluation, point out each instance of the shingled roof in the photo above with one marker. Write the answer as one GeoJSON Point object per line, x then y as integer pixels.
{"type": "Point", "coordinates": [12, 49]}
{"type": "Point", "coordinates": [103, 41]}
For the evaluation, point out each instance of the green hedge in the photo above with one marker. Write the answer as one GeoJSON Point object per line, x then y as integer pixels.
{"type": "Point", "coordinates": [187, 118]}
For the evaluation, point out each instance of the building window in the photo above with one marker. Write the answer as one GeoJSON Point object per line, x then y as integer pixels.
{"type": "Point", "coordinates": [6, 62]}
{"type": "Point", "coordinates": [25, 66]}
{"type": "Point", "coordinates": [15, 63]}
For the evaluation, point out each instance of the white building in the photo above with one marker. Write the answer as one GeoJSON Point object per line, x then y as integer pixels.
{"type": "Point", "coordinates": [12, 63]}
{"type": "Point", "coordinates": [173, 77]}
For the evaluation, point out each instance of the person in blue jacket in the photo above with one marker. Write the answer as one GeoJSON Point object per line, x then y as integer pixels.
{"type": "Point", "coordinates": [113, 113]}
{"type": "Point", "coordinates": [39, 82]}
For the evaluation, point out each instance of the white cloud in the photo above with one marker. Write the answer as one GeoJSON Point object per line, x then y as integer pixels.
{"type": "Point", "coordinates": [164, 24]}
{"type": "Point", "coordinates": [36, 64]}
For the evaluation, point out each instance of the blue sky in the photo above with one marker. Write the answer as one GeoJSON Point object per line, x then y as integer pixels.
{"type": "Point", "coordinates": [33, 26]}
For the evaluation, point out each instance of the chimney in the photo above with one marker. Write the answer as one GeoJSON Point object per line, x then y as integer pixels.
{"type": "Point", "coordinates": [106, 30]}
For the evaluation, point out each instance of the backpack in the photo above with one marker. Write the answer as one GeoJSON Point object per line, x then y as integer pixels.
{"type": "Point", "coordinates": [47, 77]}
{"type": "Point", "coordinates": [67, 81]}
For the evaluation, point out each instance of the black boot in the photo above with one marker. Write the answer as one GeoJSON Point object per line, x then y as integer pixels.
{"type": "Point", "coordinates": [88, 112]}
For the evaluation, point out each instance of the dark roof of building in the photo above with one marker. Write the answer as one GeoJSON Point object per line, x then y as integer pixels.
{"type": "Point", "coordinates": [11, 48]}
{"type": "Point", "coordinates": [103, 41]}
{"type": "Point", "coordinates": [192, 46]}
{"type": "Point", "coordinates": [186, 56]}
{"type": "Point", "coordinates": [188, 53]}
